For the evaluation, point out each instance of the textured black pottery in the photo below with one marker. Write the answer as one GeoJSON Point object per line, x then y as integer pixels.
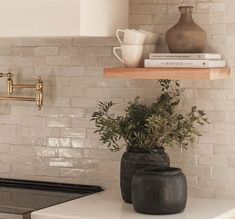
{"type": "Point", "coordinates": [159, 191]}
{"type": "Point", "coordinates": [136, 159]}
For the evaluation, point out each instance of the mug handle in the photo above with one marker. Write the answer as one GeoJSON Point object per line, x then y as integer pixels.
{"type": "Point", "coordinates": [115, 53]}
{"type": "Point", "coordinates": [117, 34]}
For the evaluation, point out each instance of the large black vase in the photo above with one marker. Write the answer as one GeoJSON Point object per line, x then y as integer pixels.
{"type": "Point", "coordinates": [159, 191]}
{"type": "Point", "coordinates": [135, 159]}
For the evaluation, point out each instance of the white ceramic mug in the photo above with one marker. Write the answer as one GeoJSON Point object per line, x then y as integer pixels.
{"type": "Point", "coordinates": [131, 55]}
{"type": "Point", "coordinates": [151, 38]}
{"type": "Point", "coordinates": [130, 37]}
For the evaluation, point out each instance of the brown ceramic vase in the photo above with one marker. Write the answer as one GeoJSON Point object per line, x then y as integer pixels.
{"type": "Point", "coordinates": [186, 36]}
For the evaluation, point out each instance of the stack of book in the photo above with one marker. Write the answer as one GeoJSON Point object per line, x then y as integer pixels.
{"type": "Point", "coordinates": [185, 60]}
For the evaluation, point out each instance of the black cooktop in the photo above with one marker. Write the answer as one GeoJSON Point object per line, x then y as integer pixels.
{"type": "Point", "coordinates": [20, 197]}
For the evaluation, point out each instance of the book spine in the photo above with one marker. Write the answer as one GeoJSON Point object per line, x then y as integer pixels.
{"type": "Point", "coordinates": [176, 63]}
{"type": "Point", "coordinates": [183, 57]}
{"type": "Point", "coordinates": [162, 57]}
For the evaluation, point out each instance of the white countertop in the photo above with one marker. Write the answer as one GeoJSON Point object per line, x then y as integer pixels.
{"type": "Point", "coordinates": [109, 205]}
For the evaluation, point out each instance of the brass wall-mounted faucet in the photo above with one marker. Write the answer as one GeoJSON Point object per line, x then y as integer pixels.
{"type": "Point", "coordinates": [38, 86]}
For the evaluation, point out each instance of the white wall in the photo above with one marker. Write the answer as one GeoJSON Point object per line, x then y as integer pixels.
{"type": "Point", "coordinates": [62, 17]}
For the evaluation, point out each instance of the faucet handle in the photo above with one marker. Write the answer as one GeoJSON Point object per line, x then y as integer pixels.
{"type": "Point", "coordinates": [9, 75]}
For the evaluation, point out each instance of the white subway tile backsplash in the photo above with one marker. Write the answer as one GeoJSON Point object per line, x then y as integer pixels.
{"type": "Point", "coordinates": [74, 132]}
{"type": "Point", "coordinates": [58, 122]}
{"type": "Point", "coordinates": [72, 172]}
{"type": "Point", "coordinates": [46, 152]}
{"type": "Point", "coordinates": [84, 143]}
{"type": "Point", "coordinates": [203, 192]}
{"type": "Point", "coordinates": [46, 51]}
{"type": "Point", "coordinates": [60, 162]}
{"type": "Point", "coordinates": [47, 171]}
{"type": "Point", "coordinates": [72, 51]}
{"type": "Point", "coordinates": [58, 143]}
{"type": "Point", "coordinates": [71, 152]}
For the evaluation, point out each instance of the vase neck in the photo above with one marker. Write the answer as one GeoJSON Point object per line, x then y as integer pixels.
{"type": "Point", "coordinates": [186, 14]}
{"type": "Point", "coordinates": [186, 18]}
{"type": "Point", "coordinates": [157, 149]}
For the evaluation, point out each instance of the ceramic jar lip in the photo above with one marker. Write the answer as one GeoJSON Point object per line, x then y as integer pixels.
{"type": "Point", "coordinates": [186, 9]}
{"type": "Point", "coordinates": [160, 171]}
{"type": "Point", "coordinates": [156, 149]}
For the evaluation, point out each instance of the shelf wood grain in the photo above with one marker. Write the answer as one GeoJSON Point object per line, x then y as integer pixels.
{"type": "Point", "coordinates": [169, 73]}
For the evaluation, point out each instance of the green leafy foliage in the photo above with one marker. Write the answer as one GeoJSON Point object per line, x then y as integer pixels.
{"type": "Point", "coordinates": [150, 126]}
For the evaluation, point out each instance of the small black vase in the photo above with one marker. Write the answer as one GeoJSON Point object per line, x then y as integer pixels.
{"type": "Point", "coordinates": [136, 159]}
{"type": "Point", "coordinates": [159, 191]}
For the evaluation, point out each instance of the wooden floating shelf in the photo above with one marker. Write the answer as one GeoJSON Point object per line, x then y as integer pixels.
{"type": "Point", "coordinates": [169, 73]}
